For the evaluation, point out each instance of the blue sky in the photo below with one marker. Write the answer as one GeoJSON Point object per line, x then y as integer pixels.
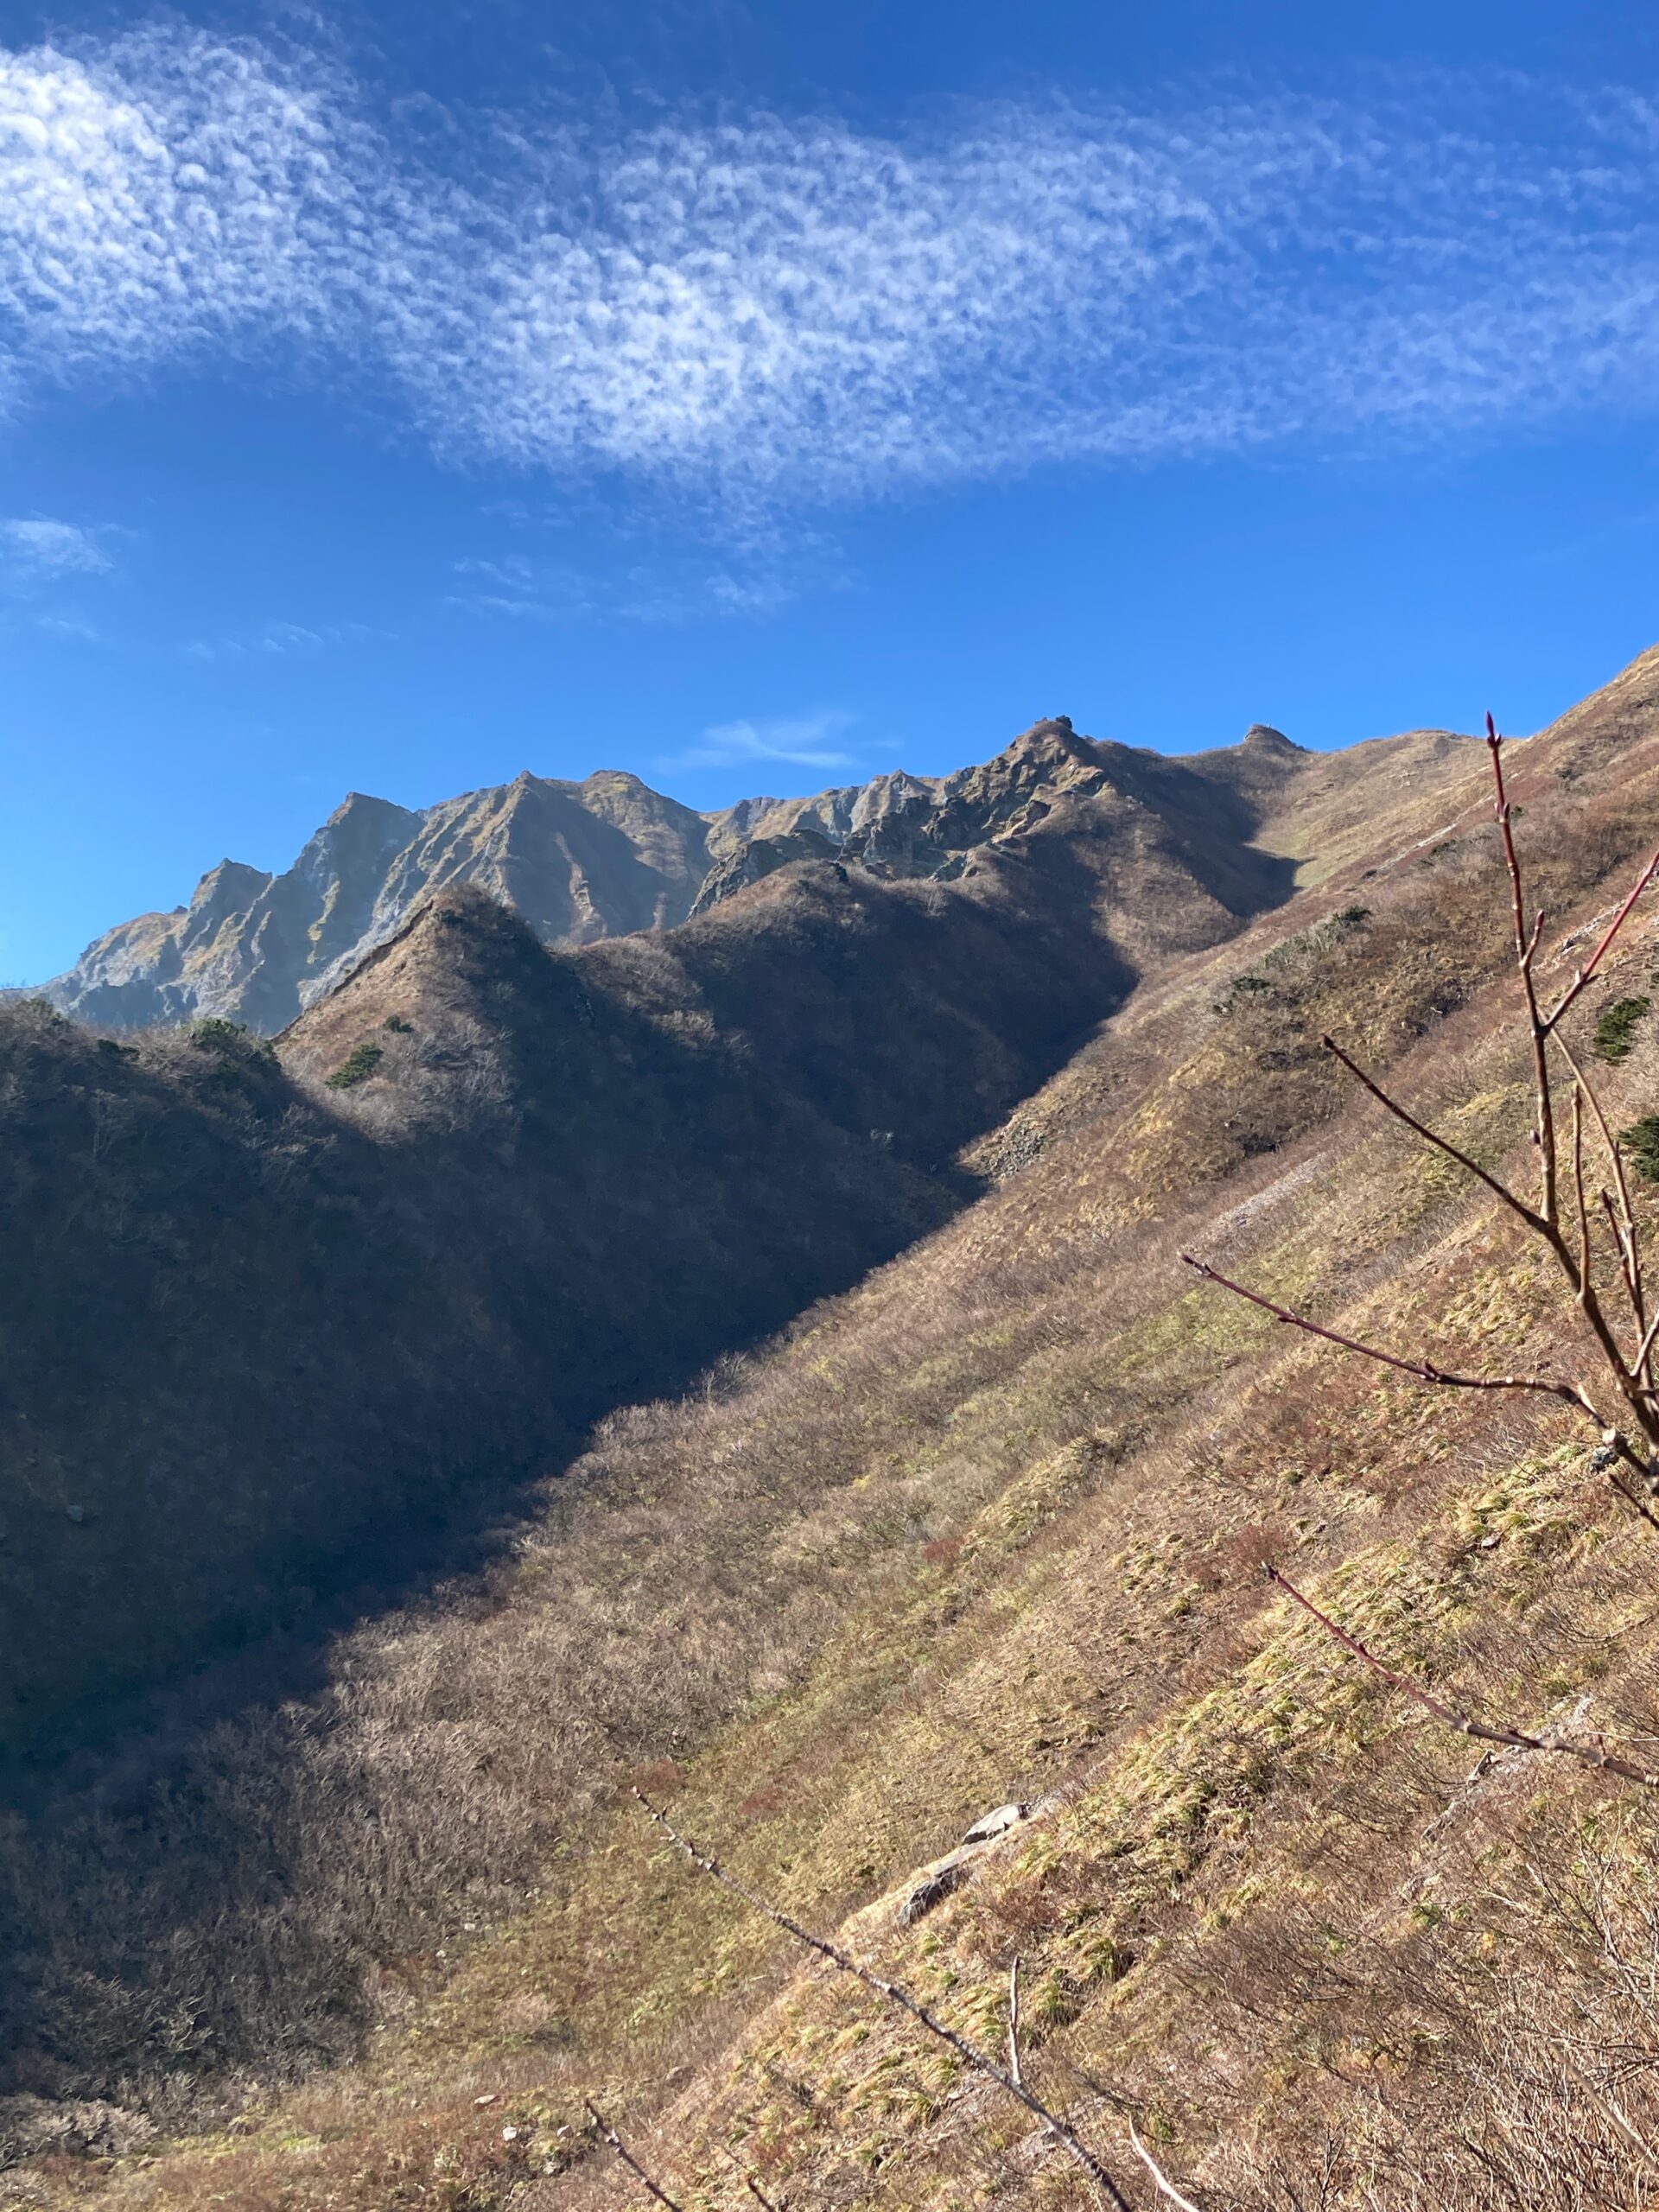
{"type": "Point", "coordinates": [761, 395]}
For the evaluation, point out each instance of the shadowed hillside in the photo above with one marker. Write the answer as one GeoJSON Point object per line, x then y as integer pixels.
{"type": "Point", "coordinates": [276, 1321]}
{"type": "Point", "coordinates": [985, 1529]}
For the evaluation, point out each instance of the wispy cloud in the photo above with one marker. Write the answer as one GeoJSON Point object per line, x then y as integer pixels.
{"type": "Point", "coordinates": [274, 639]}
{"type": "Point", "coordinates": [35, 549]}
{"type": "Point", "coordinates": [798, 740]}
{"type": "Point", "coordinates": [659, 590]}
{"type": "Point", "coordinates": [787, 309]}
{"type": "Point", "coordinates": [44, 565]}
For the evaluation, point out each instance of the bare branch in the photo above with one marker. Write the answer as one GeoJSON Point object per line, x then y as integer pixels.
{"type": "Point", "coordinates": [1591, 965]}
{"type": "Point", "coordinates": [1578, 1184]}
{"type": "Point", "coordinates": [1545, 1226]}
{"type": "Point", "coordinates": [1525, 947]}
{"type": "Point", "coordinates": [845, 1963]}
{"type": "Point", "coordinates": [1423, 1369]}
{"type": "Point", "coordinates": [1513, 1740]}
{"type": "Point", "coordinates": [1165, 2186]}
{"type": "Point", "coordinates": [1500, 1191]}
{"type": "Point", "coordinates": [1644, 1349]}
{"type": "Point", "coordinates": [1014, 2074]}
{"type": "Point", "coordinates": [1517, 902]}
{"type": "Point", "coordinates": [758, 2193]}
{"type": "Point", "coordinates": [1623, 1225]}
{"type": "Point", "coordinates": [627, 2156]}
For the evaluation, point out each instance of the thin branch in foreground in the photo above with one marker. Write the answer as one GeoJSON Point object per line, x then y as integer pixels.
{"type": "Point", "coordinates": [1424, 1369]}
{"type": "Point", "coordinates": [1014, 2074]}
{"type": "Point", "coordinates": [1160, 2179]}
{"type": "Point", "coordinates": [1526, 949]}
{"type": "Point", "coordinates": [1570, 1393]}
{"type": "Point", "coordinates": [1577, 1187]}
{"type": "Point", "coordinates": [1591, 965]}
{"type": "Point", "coordinates": [759, 2193]}
{"type": "Point", "coordinates": [1644, 1349]}
{"type": "Point", "coordinates": [1514, 1739]}
{"type": "Point", "coordinates": [1534, 1221]}
{"type": "Point", "coordinates": [627, 2156]}
{"type": "Point", "coordinates": [845, 1963]}
{"type": "Point", "coordinates": [1622, 1222]}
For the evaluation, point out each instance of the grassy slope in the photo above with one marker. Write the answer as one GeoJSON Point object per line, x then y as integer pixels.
{"type": "Point", "coordinates": [984, 1528]}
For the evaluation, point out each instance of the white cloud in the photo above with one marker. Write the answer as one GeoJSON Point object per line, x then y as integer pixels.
{"type": "Point", "coordinates": [162, 189]}
{"type": "Point", "coordinates": [799, 740]}
{"type": "Point", "coordinates": [777, 309]}
{"type": "Point", "coordinates": [36, 550]}
{"type": "Point", "coordinates": [44, 566]}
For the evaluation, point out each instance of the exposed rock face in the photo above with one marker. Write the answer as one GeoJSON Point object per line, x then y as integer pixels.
{"type": "Point", "coordinates": [905, 825]}
{"type": "Point", "coordinates": [577, 861]}
{"type": "Point", "coordinates": [928, 826]}
{"type": "Point", "coordinates": [603, 858]}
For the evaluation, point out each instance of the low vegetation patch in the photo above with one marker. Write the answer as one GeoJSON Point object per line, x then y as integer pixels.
{"type": "Point", "coordinates": [1641, 1142]}
{"type": "Point", "coordinates": [1615, 1031]}
{"type": "Point", "coordinates": [357, 1067]}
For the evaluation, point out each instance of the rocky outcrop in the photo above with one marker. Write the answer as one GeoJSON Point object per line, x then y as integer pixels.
{"type": "Point", "coordinates": [944, 1877]}
{"type": "Point", "coordinates": [905, 825]}
{"type": "Point", "coordinates": [756, 858]}
{"type": "Point", "coordinates": [577, 861]}
{"type": "Point", "coordinates": [928, 826]}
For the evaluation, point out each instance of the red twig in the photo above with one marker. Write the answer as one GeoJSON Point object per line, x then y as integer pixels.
{"type": "Point", "coordinates": [1584, 973]}
{"type": "Point", "coordinates": [1622, 1224]}
{"type": "Point", "coordinates": [1525, 948]}
{"type": "Point", "coordinates": [1578, 1186]}
{"type": "Point", "coordinates": [1513, 1740]}
{"type": "Point", "coordinates": [1499, 1190]}
{"type": "Point", "coordinates": [1423, 1369]}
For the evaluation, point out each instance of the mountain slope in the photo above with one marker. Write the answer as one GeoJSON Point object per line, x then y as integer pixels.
{"type": "Point", "coordinates": [982, 1528]}
{"type": "Point", "coordinates": [577, 861]}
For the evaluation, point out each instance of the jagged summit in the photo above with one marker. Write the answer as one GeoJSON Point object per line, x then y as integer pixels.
{"type": "Point", "coordinates": [579, 861]}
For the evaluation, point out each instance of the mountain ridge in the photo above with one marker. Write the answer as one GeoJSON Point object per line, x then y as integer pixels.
{"type": "Point", "coordinates": [580, 861]}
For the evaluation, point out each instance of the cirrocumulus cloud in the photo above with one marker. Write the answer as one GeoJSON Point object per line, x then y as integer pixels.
{"type": "Point", "coordinates": [785, 309]}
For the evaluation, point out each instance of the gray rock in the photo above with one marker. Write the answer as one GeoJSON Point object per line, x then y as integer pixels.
{"type": "Point", "coordinates": [996, 1823]}
{"type": "Point", "coordinates": [941, 1881]}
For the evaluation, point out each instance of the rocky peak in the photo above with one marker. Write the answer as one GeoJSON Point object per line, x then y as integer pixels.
{"type": "Point", "coordinates": [1052, 739]}
{"type": "Point", "coordinates": [1050, 751]}
{"type": "Point", "coordinates": [226, 890]}
{"type": "Point", "coordinates": [1263, 737]}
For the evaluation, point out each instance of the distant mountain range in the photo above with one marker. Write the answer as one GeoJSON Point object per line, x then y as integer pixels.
{"type": "Point", "coordinates": [578, 862]}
